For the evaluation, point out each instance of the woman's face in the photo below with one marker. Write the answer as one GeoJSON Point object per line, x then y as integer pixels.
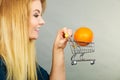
{"type": "Point", "coordinates": [36, 20]}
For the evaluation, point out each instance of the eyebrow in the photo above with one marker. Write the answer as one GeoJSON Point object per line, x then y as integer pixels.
{"type": "Point", "coordinates": [36, 10]}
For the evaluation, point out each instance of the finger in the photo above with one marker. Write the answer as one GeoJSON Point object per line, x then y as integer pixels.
{"type": "Point", "coordinates": [70, 32]}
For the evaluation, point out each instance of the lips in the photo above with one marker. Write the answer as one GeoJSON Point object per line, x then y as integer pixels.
{"type": "Point", "coordinates": [37, 29]}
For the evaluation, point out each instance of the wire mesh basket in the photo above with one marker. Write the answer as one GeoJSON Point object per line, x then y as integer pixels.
{"type": "Point", "coordinates": [76, 50]}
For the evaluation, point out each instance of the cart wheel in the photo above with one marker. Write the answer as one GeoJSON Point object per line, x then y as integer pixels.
{"type": "Point", "coordinates": [92, 62]}
{"type": "Point", "coordinates": [74, 62]}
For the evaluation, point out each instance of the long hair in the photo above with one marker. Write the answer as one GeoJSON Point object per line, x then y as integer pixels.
{"type": "Point", "coordinates": [16, 49]}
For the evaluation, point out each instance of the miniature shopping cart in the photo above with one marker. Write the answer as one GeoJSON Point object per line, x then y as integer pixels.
{"type": "Point", "coordinates": [79, 52]}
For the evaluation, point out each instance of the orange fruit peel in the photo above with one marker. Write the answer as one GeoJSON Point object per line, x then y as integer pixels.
{"type": "Point", "coordinates": [83, 36]}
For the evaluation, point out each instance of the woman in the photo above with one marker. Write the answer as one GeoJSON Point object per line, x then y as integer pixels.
{"type": "Point", "coordinates": [20, 21]}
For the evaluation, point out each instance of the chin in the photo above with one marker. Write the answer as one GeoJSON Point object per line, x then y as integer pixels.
{"type": "Point", "coordinates": [34, 38]}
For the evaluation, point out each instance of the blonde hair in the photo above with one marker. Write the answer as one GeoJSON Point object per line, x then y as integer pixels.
{"type": "Point", "coordinates": [17, 51]}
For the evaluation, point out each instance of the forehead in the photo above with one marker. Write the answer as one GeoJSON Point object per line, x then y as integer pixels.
{"type": "Point", "coordinates": [36, 4]}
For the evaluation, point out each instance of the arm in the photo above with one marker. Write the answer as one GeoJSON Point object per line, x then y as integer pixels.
{"type": "Point", "coordinates": [58, 64]}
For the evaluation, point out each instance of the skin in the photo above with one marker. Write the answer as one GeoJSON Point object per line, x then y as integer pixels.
{"type": "Point", "coordinates": [36, 21]}
{"type": "Point", "coordinates": [58, 62]}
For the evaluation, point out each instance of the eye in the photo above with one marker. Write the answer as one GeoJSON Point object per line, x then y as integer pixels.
{"type": "Point", "coordinates": [36, 15]}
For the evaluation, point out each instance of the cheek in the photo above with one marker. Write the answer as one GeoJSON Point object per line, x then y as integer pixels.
{"type": "Point", "coordinates": [33, 23]}
{"type": "Point", "coordinates": [33, 32]}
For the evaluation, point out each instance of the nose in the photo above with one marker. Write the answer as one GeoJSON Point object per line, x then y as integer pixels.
{"type": "Point", "coordinates": [41, 21]}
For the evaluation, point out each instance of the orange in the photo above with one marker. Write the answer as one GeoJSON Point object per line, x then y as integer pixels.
{"type": "Point", "coordinates": [83, 36]}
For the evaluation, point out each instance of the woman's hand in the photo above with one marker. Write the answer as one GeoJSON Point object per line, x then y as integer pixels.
{"type": "Point", "coordinates": [61, 40]}
{"type": "Point", "coordinates": [58, 65]}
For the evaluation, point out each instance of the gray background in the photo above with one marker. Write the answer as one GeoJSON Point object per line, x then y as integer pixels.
{"type": "Point", "coordinates": [103, 17]}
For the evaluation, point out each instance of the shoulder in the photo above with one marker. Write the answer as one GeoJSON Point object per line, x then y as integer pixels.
{"type": "Point", "coordinates": [42, 73]}
{"type": "Point", "coordinates": [2, 70]}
